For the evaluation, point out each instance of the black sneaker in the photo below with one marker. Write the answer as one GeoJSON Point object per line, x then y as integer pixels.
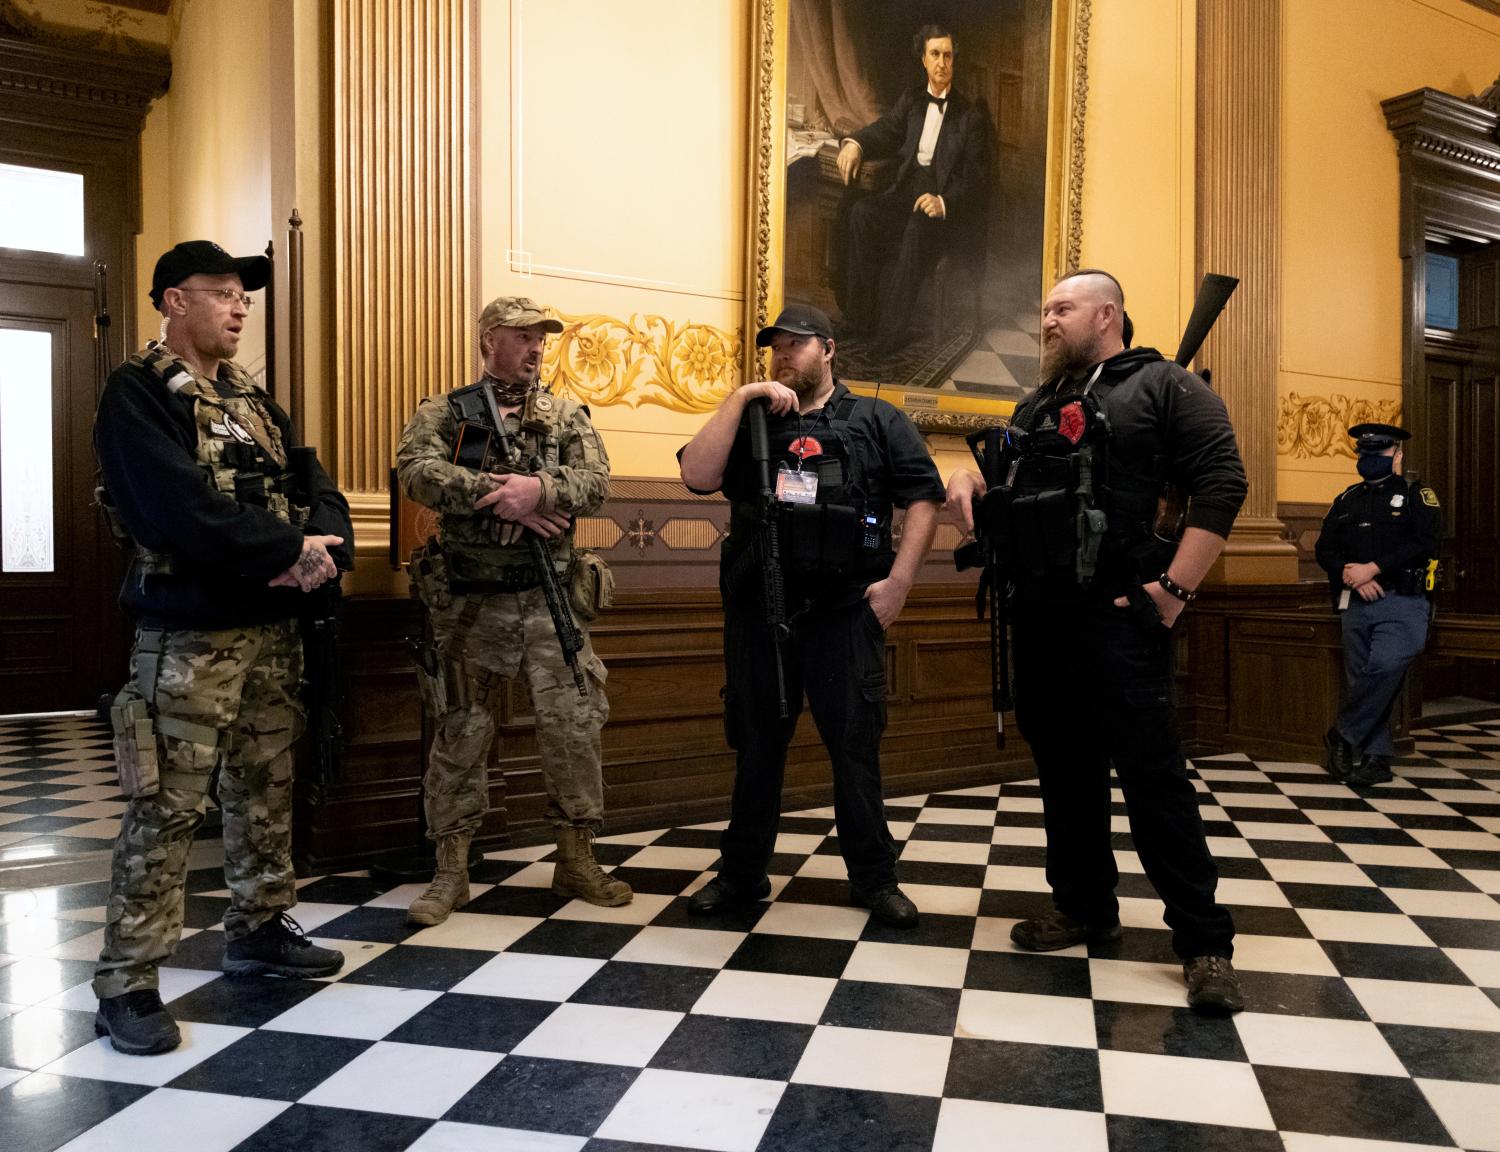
{"type": "Point", "coordinates": [137, 1024]}
{"type": "Point", "coordinates": [1059, 930]}
{"type": "Point", "coordinates": [1339, 755]}
{"type": "Point", "coordinates": [279, 947]}
{"type": "Point", "coordinates": [890, 906]}
{"type": "Point", "coordinates": [1213, 987]}
{"type": "Point", "coordinates": [720, 893]}
{"type": "Point", "coordinates": [1372, 770]}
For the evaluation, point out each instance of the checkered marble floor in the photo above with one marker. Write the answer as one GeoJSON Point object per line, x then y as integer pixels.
{"type": "Point", "coordinates": [1369, 945]}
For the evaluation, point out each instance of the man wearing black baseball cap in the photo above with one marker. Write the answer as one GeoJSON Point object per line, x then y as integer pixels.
{"type": "Point", "coordinates": [1379, 540]}
{"type": "Point", "coordinates": [839, 463]}
{"type": "Point", "coordinates": [229, 538]}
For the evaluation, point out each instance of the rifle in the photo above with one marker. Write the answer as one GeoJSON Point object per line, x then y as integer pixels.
{"type": "Point", "coordinates": [323, 692]}
{"type": "Point", "coordinates": [990, 449]}
{"type": "Point", "coordinates": [768, 545]}
{"type": "Point", "coordinates": [476, 405]}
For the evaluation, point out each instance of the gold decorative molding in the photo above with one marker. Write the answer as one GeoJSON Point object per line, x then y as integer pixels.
{"type": "Point", "coordinates": [686, 367]}
{"type": "Point", "coordinates": [403, 221]}
{"type": "Point", "coordinates": [90, 26]}
{"type": "Point", "coordinates": [1312, 426]}
{"type": "Point", "coordinates": [1077, 105]}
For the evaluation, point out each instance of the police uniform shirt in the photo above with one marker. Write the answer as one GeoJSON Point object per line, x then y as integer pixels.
{"type": "Point", "coordinates": [1395, 524]}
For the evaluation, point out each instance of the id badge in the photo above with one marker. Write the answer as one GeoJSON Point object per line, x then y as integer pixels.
{"type": "Point", "coordinates": [796, 487]}
{"type": "Point", "coordinates": [1343, 599]}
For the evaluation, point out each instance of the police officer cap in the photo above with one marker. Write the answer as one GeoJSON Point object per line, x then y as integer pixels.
{"type": "Point", "coordinates": [194, 256]}
{"type": "Point", "coordinates": [799, 320]}
{"type": "Point", "coordinates": [516, 312]}
{"type": "Point", "coordinates": [1369, 438]}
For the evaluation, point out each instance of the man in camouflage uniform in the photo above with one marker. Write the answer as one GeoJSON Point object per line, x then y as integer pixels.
{"type": "Point", "coordinates": [489, 614]}
{"type": "Point", "coordinates": [195, 459]}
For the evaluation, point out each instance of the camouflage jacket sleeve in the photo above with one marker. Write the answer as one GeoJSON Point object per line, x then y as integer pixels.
{"type": "Point", "coordinates": [424, 462]}
{"type": "Point", "coordinates": [579, 484]}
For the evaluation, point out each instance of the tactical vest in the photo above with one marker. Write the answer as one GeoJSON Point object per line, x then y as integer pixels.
{"type": "Point", "coordinates": [847, 530]}
{"type": "Point", "coordinates": [239, 447]}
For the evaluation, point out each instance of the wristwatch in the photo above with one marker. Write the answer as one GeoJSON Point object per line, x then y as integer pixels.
{"type": "Point", "coordinates": [1175, 589]}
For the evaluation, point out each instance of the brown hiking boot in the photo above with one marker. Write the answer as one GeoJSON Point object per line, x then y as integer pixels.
{"type": "Point", "coordinates": [1058, 930]}
{"type": "Point", "coordinates": [578, 874]}
{"type": "Point", "coordinates": [449, 889]}
{"type": "Point", "coordinates": [1213, 987]}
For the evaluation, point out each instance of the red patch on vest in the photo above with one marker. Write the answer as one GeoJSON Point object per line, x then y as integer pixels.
{"type": "Point", "coordinates": [1071, 422]}
{"type": "Point", "coordinates": [805, 446]}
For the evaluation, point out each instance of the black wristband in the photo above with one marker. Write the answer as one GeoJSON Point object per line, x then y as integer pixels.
{"type": "Point", "coordinates": [1175, 589]}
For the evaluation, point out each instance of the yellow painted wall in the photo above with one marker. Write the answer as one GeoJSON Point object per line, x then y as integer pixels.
{"type": "Point", "coordinates": [156, 218]}
{"type": "Point", "coordinates": [1341, 273]}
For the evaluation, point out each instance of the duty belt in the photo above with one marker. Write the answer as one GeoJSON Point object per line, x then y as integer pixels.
{"type": "Point", "coordinates": [517, 578]}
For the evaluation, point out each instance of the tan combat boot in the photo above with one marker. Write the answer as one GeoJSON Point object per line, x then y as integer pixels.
{"type": "Point", "coordinates": [450, 887]}
{"type": "Point", "coordinates": [578, 874]}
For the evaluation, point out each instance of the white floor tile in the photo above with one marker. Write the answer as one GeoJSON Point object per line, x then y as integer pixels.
{"type": "Point", "coordinates": [532, 876]}
{"type": "Point", "coordinates": [1429, 1005]}
{"type": "Point", "coordinates": [202, 1121]}
{"type": "Point", "coordinates": [1026, 837]}
{"type": "Point", "coordinates": [402, 895]}
{"type": "Point", "coordinates": [978, 790]}
{"type": "Point", "coordinates": [1481, 965]}
{"type": "Point", "coordinates": [1393, 855]}
{"type": "Point", "coordinates": [1252, 893]}
{"type": "Point", "coordinates": [11, 1075]}
{"type": "Point", "coordinates": [1233, 847]}
{"type": "Point", "coordinates": [1362, 927]}
{"type": "Point", "coordinates": [600, 1034]}
{"type": "Point", "coordinates": [446, 1136]}
{"type": "Point", "coordinates": [1252, 799]}
{"type": "Point", "coordinates": [528, 976]}
{"type": "Point", "coordinates": [1016, 878]}
{"type": "Point", "coordinates": [797, 843]}
{"type": "Point", "coordinates": [821, 921]}
{"type": "Point", "coordinates": [99, 1061]}
{"type": "Point", "coordinates": [976, 1125]}
{"type": "Point", "coordinates": [431, 1079]}
{"type": "Point", "coordinates": [875, 1061]}
{"type": "Point", "coordinates": [943, 899]}
{"type": "Point", "coordinates": [1470, 1112]}
{"type": "Point", "coordinates": [694, 1110]}
{"type": "Point", "coordinates": [1316, 872]}
{"type": "Point", "coordinates": [981, 817]}
{"type": "Point", "coordinates": [1439, 838]}
{"type": "Point", "coordinates": [1313, 1042]}
{"type": "Point", "coordinates": [643, 908]}
{"type": "Point", "coordinates": [475, 930]}
{"type": "Point", "coordinates": [1406, 806]}
{"type": "Point", "coordinates": [1282, 954]}
{"type": "Point", "coordinates": [358, 1011]}
{"type": "Point", "coordinates": [1027, 1018]}
{"type": "Point", "coordinates": [659, 856]}
{"type": "Point", "coordinates": [824, 866]}
{"type": "Point", "coordinates": [1142, 912]}
{"type": "Point", "coordinates": [638, 838]}
{"type": "Point", "coordinates": [357, 953]}
{"type": "Point", "coordinates": [1303, 788]}
{"type": "Point", "coordinates": [766, 996]}
{"type": "Point", "coordinates": [1484, 880]}
{"type": "Point", "coordinates": [691, 947]}
{"type": "Point", "coordinates": [1019, 804]}
{"type": "Point", "coordinates": [1137, 982]}
{"type": "Point", "coordinates": [1459, 905]}
{"type": "Point", "coordinates": [530, 852]}
{"type": "Point", "coordinates": [1181, 1088]}
{"type": "Point", "coordinates": [1337, 818]}
{"type": "Point", "coordinates": [946, 852]}
{"type": "Point", "coordinates": [1259, 830]}
{"type": "Point", "coordinates": [1307, 1142]}
{"type": "Point", "coordinates": [172, 983]}
{"type": "Point", "coordinates": [1129, 862]}
{"type": "Point", "coordinates": [917, 964]}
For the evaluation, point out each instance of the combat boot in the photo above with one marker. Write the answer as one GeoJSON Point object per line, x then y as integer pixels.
{"type": "Point", "coordinates": [1340, 755]}
{"type": "Point", "coordinates": [1372, 770]}
{"type": "Point", "coordinates": [279, 947]}
{"type": "Point", "coordinates": [137, 1024]}
{"type": "Point", "coordinates": [449, 890]}
{"type": "Point", "coordinates": [578, 874]}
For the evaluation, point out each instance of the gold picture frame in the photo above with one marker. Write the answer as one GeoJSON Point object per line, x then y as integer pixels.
{"type": "Point", "coordinates": [1067, 92]}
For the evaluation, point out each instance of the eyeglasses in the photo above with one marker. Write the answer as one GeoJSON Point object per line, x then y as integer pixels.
{"type": "Point", "coordinates": [228, 295]}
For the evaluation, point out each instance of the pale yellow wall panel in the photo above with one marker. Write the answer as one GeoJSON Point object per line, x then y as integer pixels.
{"type": "Point", "coordinates": [156, 217]}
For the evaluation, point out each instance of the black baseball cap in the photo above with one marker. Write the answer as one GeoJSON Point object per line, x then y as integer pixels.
{"type": "Point", "coordinates": [1370, 438]}
{"type": "Point", "coordinates": [194, 256]}
{"type": "Point", "coordinates": [799, 320]}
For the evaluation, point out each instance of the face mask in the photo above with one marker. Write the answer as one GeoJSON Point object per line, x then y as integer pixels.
{"type": "Point", "coordinates": [1374, 468]}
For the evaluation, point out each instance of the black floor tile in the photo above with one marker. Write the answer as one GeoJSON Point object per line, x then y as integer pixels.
{"type": "Point", "coordinates": [1039, 1075]}
{"type": "Point", "coordinates": [378, 925]}
{"type": "Point", "coordinates": [952, 833]}
{"type": "Point", "coordinates": [517, 900]}
{"type": "Point", "coordinates": [816, 1119]}
{"type": "Point", "coordinates": [1427, 879]}
{"type": "Point", "coordinates": [35, 978]}
{"type": "Point", "coordinates": [342, 890]}
{"type": "Point", "coordinates": [687, 838]}
{"type": "Point", "coordinates": [933, 872]}
{"type": "Point", "coordinates": [1256, 921]}
{"type": "Point", "coordinates": [34, 1037]}
{"type": "Point", "coordinates": [202, 950]}
{"type": "Point", "coordinates": [1239, 868]}
{"type": "Point", "coordinates": [1341, 897]}
{"type": "Point", "coordinates": [1140, 1134]}
{"type": "Point", "coordinates": [271, 1065]}
{"type": "Point", "coordinates": [203, 911]}
{"type": "Point", "coordinates": [244, 1001]}
{"type": "Point", "coordinates": [815, 890]}
{"type": "Point", "coordinates": [792, 955]}
{"type": "Point", "coordinates": [479, 1023]}
{"type": "Point", "coordinates": [1039, 975]}
{"type": "Point", "coordinates": [1148, 945]}
{"type": "Point", "coordinates": [1453, 857]}
{"type": "Point", "coordinates": [1007, 904]}
{"type": "Point", "coordinates": [1162, 1031]}
{"type": "Point", "coordinates": [544, 1095]}
{"type": "Point", "coordinates": [1346, 1104]}
{"type": "Point", "coordinates": [657, 881]}
{"type": "Point", "coordinates": [1446, 1053]}
{"type": "Point", "coordinates": [1454, 932]}
{"type": "Point", "coordinates": [954, 800]}
{"type": "Point", "coordinates": [1393, 962]}
{"type": "Point", "coordinates": [432, 969]}
{"type": "Point", "coordinates": [721, 1046]}
{"type": "Point", "coordinates": [1382, 837]}
{"type": "Point", "coordinates": [933, 930]}
{"type": "Point", "coordinates": [892, 1007]}
{"type": "Point", "coordinates": [45, 824]}
{"type": "Point", "coordinates": [804, 826]}
{"type": "Point", "coordinates": [733, 918]}
{"type": "Point", "coordinates": [1298, 850]}
{"type": "Point", "coordinates": [40, 1113]}
{"type": "Point", "coordinates": [308, 1128]}
{"type": "Point", "coordinates": [1010, 819]}
{"type": "Point", "coordinates": [667, 987]}
{"type": "Point", "coordinates": [575, 938]}
{"type": "Point", "coordinates": [1289, 994]}
{"type": "Point", "coordinates": [40, 806]}
{"type": "Point", "coordinates": [1018, 855]}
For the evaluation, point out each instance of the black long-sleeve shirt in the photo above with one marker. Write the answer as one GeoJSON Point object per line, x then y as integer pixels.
{"type": "Point", "coordinates": [223, 552]}
{"type": "Point", "coordinates": [1394, 524]}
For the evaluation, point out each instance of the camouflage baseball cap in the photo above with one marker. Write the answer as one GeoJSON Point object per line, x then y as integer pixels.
{"type": "Point", "coordinates": [516, 312]}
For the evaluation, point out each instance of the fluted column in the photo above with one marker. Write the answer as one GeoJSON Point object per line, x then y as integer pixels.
{"type": "Point", "coordinates": [402, 226]}
{"type": "Point", "coordinates": [1239, 234]}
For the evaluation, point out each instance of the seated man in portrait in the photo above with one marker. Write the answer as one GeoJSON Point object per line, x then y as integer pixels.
{"type": "Point", "coordinates": [942, 143]}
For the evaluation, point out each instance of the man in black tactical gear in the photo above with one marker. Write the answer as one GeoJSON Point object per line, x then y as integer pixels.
{"type": "Point", "coordinates": [840, 462]}
{"type": "Point", "coordinates": [1377, 541]}
{"type": "Point", "coordinates": [1109, 432]}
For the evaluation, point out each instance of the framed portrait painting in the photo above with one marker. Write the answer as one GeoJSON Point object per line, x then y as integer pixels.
{"type": "Point", "coordinates": [916, 173]}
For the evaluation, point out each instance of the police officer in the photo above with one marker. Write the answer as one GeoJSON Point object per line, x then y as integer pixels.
{"type": "Point", "coordinates": [194, 458]}
{"type": "Point", "coordinates": [1094, 454]}
{"type": "Point", "coordinates": [489, 612]}
{"type": "Point", "coordinates": [840, 462]}
{"type": "Point", "coordinates": [1376, 543]}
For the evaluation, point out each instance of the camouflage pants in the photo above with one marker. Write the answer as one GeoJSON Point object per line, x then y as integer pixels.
{"type": "Point", "coordinates": [513, 636]}
{"type": "Point", "coordinates": [242, 682]}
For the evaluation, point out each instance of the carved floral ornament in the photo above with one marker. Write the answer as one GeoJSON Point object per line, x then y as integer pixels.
{"type": "Point", "coordinates": [1318, 425]}
{"type": "Point", "coordinates": [686, 367]}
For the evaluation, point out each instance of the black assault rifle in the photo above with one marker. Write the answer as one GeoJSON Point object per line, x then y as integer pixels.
{"type": "Point", "coordinates": [323, 693]}
{"type": "Point", "coordinates": [768, 545]}
{"type": "Point", "coordinates": [475, 405]}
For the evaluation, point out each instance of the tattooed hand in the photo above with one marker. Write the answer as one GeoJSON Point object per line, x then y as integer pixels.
{"type": "Point", "coordinates": [313, 568]}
